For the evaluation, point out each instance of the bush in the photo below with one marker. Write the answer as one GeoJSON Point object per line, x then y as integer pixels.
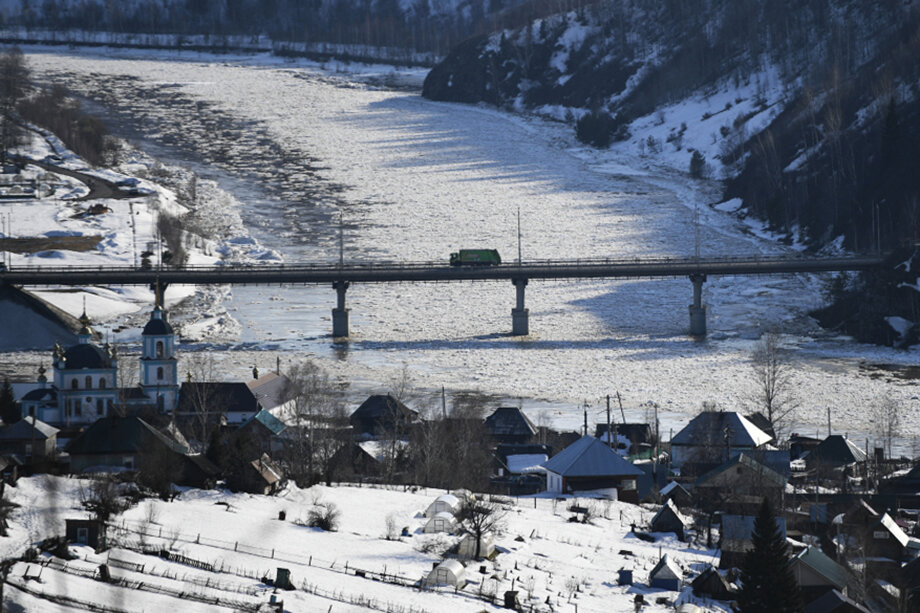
{"type": "Point", "coordinates": [599, 129]}
{"type": "Point", "coordinates": [697, 165]}
{"type": "Point", "coordinates": [324, 516]}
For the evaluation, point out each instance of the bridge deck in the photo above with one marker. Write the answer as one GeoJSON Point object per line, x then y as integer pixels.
{"type": "Point", "coordinates": [394, 272]}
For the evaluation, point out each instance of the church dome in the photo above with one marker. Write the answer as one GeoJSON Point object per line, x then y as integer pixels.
{"type": "Point", "coordinates": [86, 355]}
{"type": "Point", "coordinates": [158, 324]}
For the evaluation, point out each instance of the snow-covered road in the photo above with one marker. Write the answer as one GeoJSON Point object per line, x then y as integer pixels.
{"type": "Point", "coordinates": [415, 180]}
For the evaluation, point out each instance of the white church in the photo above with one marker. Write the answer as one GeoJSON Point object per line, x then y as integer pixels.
{"type": "Point", "coordinates": [84, 384]}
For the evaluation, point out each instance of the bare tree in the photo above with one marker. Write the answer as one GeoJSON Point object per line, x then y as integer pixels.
{"type": "Point", "coordinates": [772, 370]}
{"type": "Point", "coordinates": [479, 517]}
{"type": "Point", "coordinates": [203, 401]}
{"type": "Point", "coordinates": [886, 421]}
{"type": "Point", "coordinates": [102, 498]}
{"type": "Point", "coordinates": [319, 424]}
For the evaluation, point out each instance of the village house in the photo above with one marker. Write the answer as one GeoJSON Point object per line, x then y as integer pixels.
{"type": "Point", "coordinates": [510, 425]}
{"type": "Point", "coordinates": [30, 438]}
{"type": "Point", "coordinates": [666, 575]}
{"type": "Point", "coordinates": [588, 465]}
{"type": "Point", "coordinates": [739, 486]}
{"type": "Point", "coordinates": [736, 538]}
{"type": "Point", "coordinates": [817, 574]}
{"type": "Point", "coordinates": [382, 415]}
{"type": "Point", "coordinates": [713, 437]}
{"type": "Point", "coordinates": [834, 454]}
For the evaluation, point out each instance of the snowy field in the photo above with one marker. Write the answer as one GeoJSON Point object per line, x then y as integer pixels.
{"type": "Point", "coordinates": [236, 539]}
{"type": "Point", "coordinates": [414, 180]}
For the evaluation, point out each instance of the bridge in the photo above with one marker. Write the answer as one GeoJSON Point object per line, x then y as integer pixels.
{"type": "Point", "coordinates": [342, 274]}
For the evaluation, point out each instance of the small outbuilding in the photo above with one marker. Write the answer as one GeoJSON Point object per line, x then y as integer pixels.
{"type": "Point", "coordinates": [676, 492]}
{"type": "Point", "coordinates": [89, 532]}
{"type": "Point", "coordinates": [712, 584]}
{"type": "Point", "coordinates": [445, 503]}
{"type": "Point", "coordinates": [666, 575]}
{"type": "Point", "coordinates": [441, 522]}
{"type": "Point", "coordinates": [448, 572]}
{"type": "Point", "coordinates": [669, 519]}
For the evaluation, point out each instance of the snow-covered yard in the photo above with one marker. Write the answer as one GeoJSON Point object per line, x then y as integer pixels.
{"type": "Point", "coordinates": [223, 544]}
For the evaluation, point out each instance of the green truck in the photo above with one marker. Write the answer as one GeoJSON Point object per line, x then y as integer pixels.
{"type": "Point", "coordinates": [475, 257]}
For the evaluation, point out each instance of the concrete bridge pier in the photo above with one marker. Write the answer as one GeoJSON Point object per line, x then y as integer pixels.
{"type": "Point", "coordinates": [520, 324]}
{"type": "Point", "coordinates": [340, 313]}
{"type": "Point", "coordinates": [697, 310]}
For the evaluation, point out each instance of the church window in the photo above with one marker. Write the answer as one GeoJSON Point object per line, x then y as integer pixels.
{"type": "Point", "coordinates": [99, 406]}
{"type": "Point", "coordinates": [159, 373]}
{"type": "Point", "coordinates": [74, 384]}
{"type": "Point", "coordinates": [159, 349]}
{"type": "Point", "coordinates": [89, 382]}
{"type": "Point", "coordinates": [102, 384]}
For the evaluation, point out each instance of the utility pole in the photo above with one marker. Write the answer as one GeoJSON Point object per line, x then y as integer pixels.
{"type": "Point", "coordinates": [609, 433]}
{"type": "Point", "coordinates": [620, 401]}
{"type": "Point", "coordinates": [828, 421]}
{"type": "Point", "coordinates": [586, 418]}
{"type": "Point", "coordinates": [341, 240]}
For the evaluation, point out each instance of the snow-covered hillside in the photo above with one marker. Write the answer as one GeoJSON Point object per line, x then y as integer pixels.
{"type": "Point", "coordinates": [554, 563]}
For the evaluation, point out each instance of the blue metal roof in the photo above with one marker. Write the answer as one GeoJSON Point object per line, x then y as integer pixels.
{"type": "Point", "coordinates": [268, 420]}
{"type": "Point", "coordinates": [589, 457]}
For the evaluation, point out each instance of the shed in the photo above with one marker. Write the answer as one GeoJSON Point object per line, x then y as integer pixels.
{"type": "Point", "coordinates": [441, 522]}
{"type": "Point", "coordinates": [448, 572]}
{"type": "Point", "coordinates": [711, 584]}
{"type": "Point", "coordinates": [666, 575]}
{"type": "Point", "coordinates": [669, 519]}
{"type": "Point", "coordinates": [445, 503]}
{"type": "Point", "coordinates": [467, 547]}
{"type": "Point", "coordinates": [677, 493]}
{"type": "Point", "coordinates": [89, 532]}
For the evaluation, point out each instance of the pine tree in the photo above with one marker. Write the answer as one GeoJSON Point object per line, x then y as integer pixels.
{"type": "Point", "coordinates": [9, 412]}
{"type": "Point", "coordinates": [767, 582]}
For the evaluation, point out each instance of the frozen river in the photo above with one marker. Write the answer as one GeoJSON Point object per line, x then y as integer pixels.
{"type": "Point", "coordinates": [415, 180]}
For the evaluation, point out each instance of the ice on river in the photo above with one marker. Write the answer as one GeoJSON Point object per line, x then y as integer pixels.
{"type": "Point", "coordinates": [415, 180]}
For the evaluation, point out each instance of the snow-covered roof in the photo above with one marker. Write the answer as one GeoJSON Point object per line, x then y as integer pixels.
{"type": "Point", "coordinates": [666, 569]}
{"type": "Point", "coordinates": [589, 457]}
{"type": "Point", "coordinates": [888, 522]}
{"type": "Point", "coordinates": [710, 426]}
{"type": "Point", "coordinates": [526, 463]}
{"type": "Point", "coordinates": [28, 427]}
{"type": "Point", "coordinates": [448, 499]}
{"type": "Point", "coordinates": [669, 506]}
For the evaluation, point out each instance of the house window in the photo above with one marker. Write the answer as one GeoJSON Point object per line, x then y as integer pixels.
{"type": "Point", "coordinates": [74, 385]}
{"type": "Point", "coordinates": [89, 382]}
{"type": "Point", "coordinates": [159, 373]}
{"type": "Point", "coordinates": [83, 535]}
{"type": "Point", "coordinates": [28, 449]}
{"type": "Point", "coordinates": [128, 462]}
{"type": "Point", "coordinates": [159, 349]}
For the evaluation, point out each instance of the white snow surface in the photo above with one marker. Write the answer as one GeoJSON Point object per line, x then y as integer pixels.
{"type": "Point", "coordinates": [540, 552]}
{"type": "Point", "coordinates": [422, 179]}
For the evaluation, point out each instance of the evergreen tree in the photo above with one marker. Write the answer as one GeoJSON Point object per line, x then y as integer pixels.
{"type": "Point", "coordinates": [9, 412]}
{"type": "Point", "coordinates": [767, 582]}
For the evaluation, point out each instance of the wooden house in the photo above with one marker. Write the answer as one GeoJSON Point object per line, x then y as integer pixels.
{"type": "Point", "coordinates": [260, 476]}
{"type": "Point", "coordinates": [817, 574]}
{"type": "Point", "coordinates": [29, 438]}
{"type": "Point", "coordinates": [116, 442]}
{"type": "Point", "coordinates": [590, 465]}
{"type": "Point", "coordinates": [510, 425]}
{"type": "Point", "coordinates": [834, 453]}
{"type": "Point", "coordinates": [739, 486]}
{"type": "Point", "coordinates": [382, 415]}
{"type": "Point", "coordinates": [712, 438]}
